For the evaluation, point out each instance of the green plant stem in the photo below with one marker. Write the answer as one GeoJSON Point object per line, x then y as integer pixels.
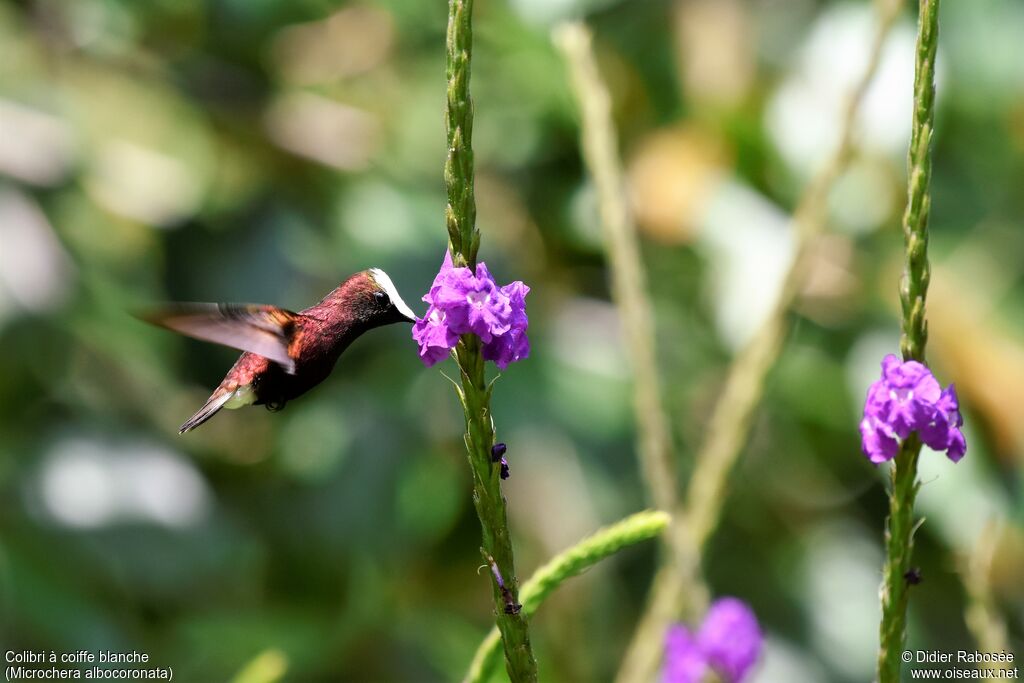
{"type": "Point", "coordinates": [475, 393]}
{"type": "Point", "coordinates": [629, 289]}
{"type": "Point", "coordinates": [572, 562]}
{"type": "Point", "coordinates": [678, 586]}
{"type": "Point", "coordinates": [490, 508]}
{"type": "Point", "coordinates": [916, 270]}
{"type": "Point", "coordinates": [899, 539]}
{"type": "Point", "coordinates": [898, 548]}
{"type": "Point", "coordinates": [460, 213]}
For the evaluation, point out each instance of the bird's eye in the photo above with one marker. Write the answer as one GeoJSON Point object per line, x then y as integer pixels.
{"type": "Point", "coordinates": [380, 297]}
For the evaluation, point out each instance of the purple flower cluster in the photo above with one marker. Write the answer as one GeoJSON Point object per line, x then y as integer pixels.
{"type": "Point", "coordinates": [728, 643]}
{"type": "Point", "coordinates": [463, 302]}
{"type": "Point", "coordinates": [908, 399]}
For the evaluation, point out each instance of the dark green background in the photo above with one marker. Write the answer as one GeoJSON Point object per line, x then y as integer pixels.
{"type": "Point", "coordinates": [340, 531]}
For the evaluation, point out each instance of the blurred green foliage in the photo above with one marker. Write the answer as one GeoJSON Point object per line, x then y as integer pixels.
{"type": "Point", "coordinates": [262, 151]}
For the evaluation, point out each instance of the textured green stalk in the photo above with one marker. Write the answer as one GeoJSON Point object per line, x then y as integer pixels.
{"type": "Point", "coordinates": [490, 508]}
{"type": "Point", "coordinates": [898, 547]}
{"type": "Point", "coordinates": [475, 393]}
{"type": "Point", "coordinates": [899, 540]}
{"type": "Point", "coordinates": [567, 564]}
{"type": "Point", "coordinates": [460, 213]}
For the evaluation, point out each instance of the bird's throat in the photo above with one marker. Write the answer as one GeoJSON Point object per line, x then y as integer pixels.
{"type": "Point", "coordinates": [243, 396]}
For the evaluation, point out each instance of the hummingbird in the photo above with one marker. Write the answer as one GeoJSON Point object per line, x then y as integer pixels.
{"type": "Point", "coordinates": [286, 353]}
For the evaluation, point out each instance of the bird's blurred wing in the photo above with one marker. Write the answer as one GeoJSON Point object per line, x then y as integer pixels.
{"type": "Point", "coordinates": [264, 330]}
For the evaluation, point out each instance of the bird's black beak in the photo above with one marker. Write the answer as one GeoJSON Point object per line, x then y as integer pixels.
{"type": "Point", "coordinates": [401, 310]}
{"type": "Point", "coordinates": [397, 314]}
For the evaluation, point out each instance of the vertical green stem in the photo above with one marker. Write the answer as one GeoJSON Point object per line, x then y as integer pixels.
{"type": "Point", "coordinates": [913, 290]}
{"type": "Point", "coordinates": [490, 508]}
{"type": "Point", "coordinates": [475, 393]}
{"type": "Point", "coordinates": [460, 214]}
{"type": "Point", "coordinates": [899, 547]}
{"type": "Point", "coordinates": [629, 281]}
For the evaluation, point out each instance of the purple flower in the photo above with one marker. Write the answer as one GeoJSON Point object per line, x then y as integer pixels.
{"type": "Point", "coordinates": [942, 431]}
{"type": "Point", "coordinates": [877, 439]}
{"type": "Point", "coordinates": [473, 303]}
{"type": "Point", "coordinates": [434, 337]}
{"type": "Point", "coordinates": [514, 345]}
{"type": "Point", "coordinates": [684, 662]}
{"type": "Point", "coordinates": [730, 638]}
{"type": "Point", "coordinates": [911, 391]}
{"type": "Point", "coordinates": [464, 302]}
{"type": "Point", "coordinates": [909, 399]}
{"type": "Point", "coordinates": [728, 642]}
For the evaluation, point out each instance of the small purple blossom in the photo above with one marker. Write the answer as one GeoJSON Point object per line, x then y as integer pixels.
{"type": "Point", "coordinates": [434, 336]}
{"type": "Point", "coordinates": [513, 345]}
{"type": "Point", "coordinates": [473, 303]}
{"type": "Point", "coordinates": [729, 642]}
{"type": "Point", "coordinates": [730, 638]}
{"type": "Point", "coordinates": [909, 399]}
{"type": "Point", "coordinates": [498, 455]}
{"type": "Point", "coordinates": [463, 302]}
{"type": "Point", "coordinates": [684, 662]}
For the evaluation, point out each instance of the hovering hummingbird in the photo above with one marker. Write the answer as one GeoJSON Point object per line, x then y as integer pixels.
{"type": "Point", "coordinates": [286, 353]}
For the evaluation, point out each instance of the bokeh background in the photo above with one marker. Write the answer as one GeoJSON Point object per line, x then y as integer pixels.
{"type": "Point", "coordinates": [251, 150]}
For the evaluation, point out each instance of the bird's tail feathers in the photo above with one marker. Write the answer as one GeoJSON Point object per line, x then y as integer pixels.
{"type": "Point", "coordinates": [209, 409]}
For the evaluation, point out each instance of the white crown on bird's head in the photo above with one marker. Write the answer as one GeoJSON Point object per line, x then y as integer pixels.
{"type": "Point", "coordinates": [384, 282]}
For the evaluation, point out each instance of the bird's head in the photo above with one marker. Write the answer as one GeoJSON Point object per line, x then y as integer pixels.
{"type": "Point", "coordinates": [379, 302]}
{"type": "Point", "coordinates": [388, 303]}
{"type": "Point", "coordinates": [368, 298]}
